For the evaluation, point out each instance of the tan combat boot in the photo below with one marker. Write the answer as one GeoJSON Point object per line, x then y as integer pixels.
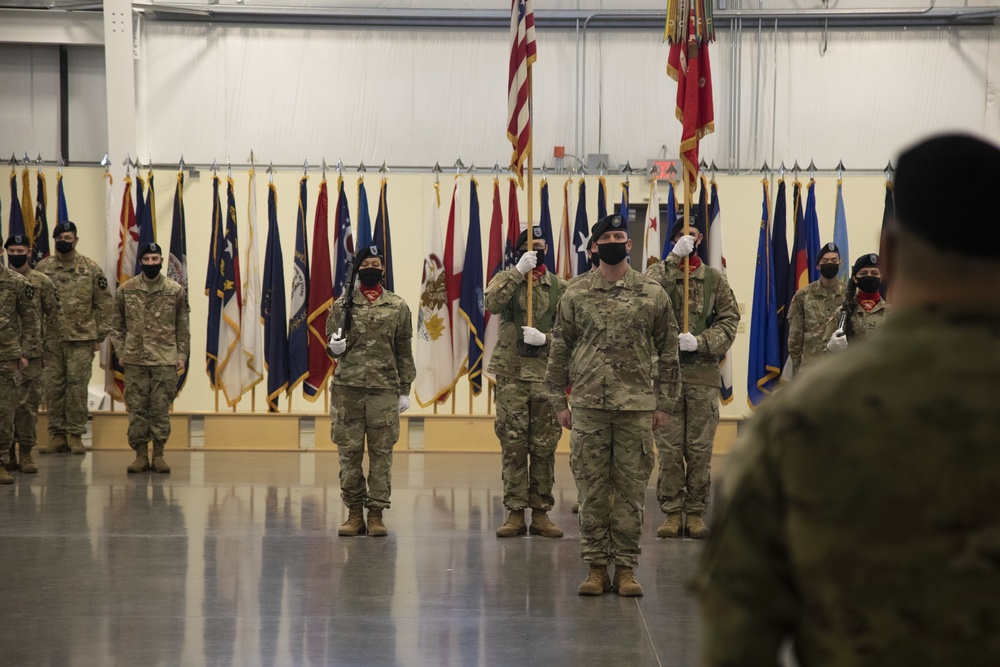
{"type": "Point", "coordinates": [696, 527]}
{"type": "Point", "coordinates": [355, 524]}
{"type": "Point", "coordinates": [514, 525]}
{"type": "Point", "coordinates": [76, 444]}
{"type": "Point", "coordinates": [597, 581]}
{"type": "Point", "coordinates": [55, 445]}
{"type": "Point", "coordinates": [542, 525]}
{"type": "Point", "coordinates": [159, 465]}
{"type": "Point", "coordinates": [671, 526]}
{"type": "Point", "coordinates": [27, 464]}
{"type": "Point", "coordinates": [375, 526]}
{"type": "Point", "coordinates": [576, 507]}
{"type": "Point", "coordinates": [625, 583]}
{"type": "Point", "coordinates": [141, 463]}
{"type": "Point", "coordinates": [12, 460]}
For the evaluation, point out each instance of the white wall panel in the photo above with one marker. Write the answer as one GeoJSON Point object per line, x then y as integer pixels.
{"type": "Point", "coordinates": [88, 104]}
{"type": "Point", "coordinates": [29, 101]}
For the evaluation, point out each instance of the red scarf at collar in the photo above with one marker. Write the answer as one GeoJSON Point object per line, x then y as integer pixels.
{"type": "Point", "coordinates": [868, 301]}
{"type": "Point", "coordinates": [694, 261]}
{"type": "Point", "coordinates": [372, 293]}
{"type": "Point", "coordinates": [539, 271]}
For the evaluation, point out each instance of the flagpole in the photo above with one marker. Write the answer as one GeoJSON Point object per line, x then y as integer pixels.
{"type": "Point", "coordinates": [531, 190]}
{"type": "Point", "coordinates": [687, 258]}
{"type": "Point", "coordinates": [253, 399]}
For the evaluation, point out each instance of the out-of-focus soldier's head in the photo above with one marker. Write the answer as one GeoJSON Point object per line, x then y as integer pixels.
{"type": "Point", "coordinates": [828, 261]}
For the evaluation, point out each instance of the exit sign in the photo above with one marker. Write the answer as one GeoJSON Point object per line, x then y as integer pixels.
{"type": "Point", "coordinates": [667, 169]}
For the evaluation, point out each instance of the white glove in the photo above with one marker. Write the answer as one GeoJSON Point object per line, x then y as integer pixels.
{"type": "Point", "coordinates": [687, 341]}
{"type": "Point", "coordinates": [684, 246]}
{"type": "Point", "coordinates": [404, 403]}
{"type": "Point", "coordinates": [533, 336]}
{"type": "Point", "coordinates": [838, 341]}
{"type": "Point", "coordinates": [337, 345]}
{"type": "Point", "coordinates": [528, 261]}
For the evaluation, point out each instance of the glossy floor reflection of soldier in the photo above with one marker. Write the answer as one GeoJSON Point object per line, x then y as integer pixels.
{"type": "Point", "coordinates": [281, 562]}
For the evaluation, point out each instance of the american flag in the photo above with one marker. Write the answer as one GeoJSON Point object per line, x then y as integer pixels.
{"type": "Point", "coordinates": [522, 55]}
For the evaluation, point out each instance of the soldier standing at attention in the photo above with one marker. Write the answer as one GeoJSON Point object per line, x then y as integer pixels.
{"type": "Point", "coordinates": [525, 422]}
{"type": "Point", "coordinates": [19, 335]}
{"type": "Point", "coordinates": [87, 314]}
{"type": "Point", "coordinates": [685, 445]}
{"type": "Point", "coordinates": [152, 337]}
{"type": "Point", "coordinates": [615, 344]}
{"type": "Point", "coordinates": [26, 416]}
{"type": "Point", "coordinates": [858, 519]}
{"type": "Point", "coordinates": [369, 390]}
{"type": "Point", "coordinates": [811, 310]}
{"type": "Point", "coordinates": [858, 318]}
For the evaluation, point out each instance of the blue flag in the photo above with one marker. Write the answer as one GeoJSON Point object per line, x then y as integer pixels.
{"type": "Point", "coordinates": [298, 325]}
{"type": "Point", "coordinates": [228, 294]}
{"type": "Point", "coordinates": [764, 368]}
{"type": "Point", "coordinates": [272, 308]}
{"type": "Point", "coordinates": [15, 223]}
{"type": "Point", "coordinates": [779, 260]}
{"type": "Point", "coordinates": [343, 241]}
{"type": "Point", "coordinates": [602, 198]}
{"type": "Point", "coordinates": [812, 232]}
{"type": "Point", "coordinates": [623, 208]}
{"type": "Point", "coordinates": [62, 215]}
{"type": "Point", "coordinates": [383, 239]}
{"type": "Point", "coordinates": [700, 221]}
{"type": "Point", "coordinates": [211, 287]}
{"type": "Point", "coordinates": [581, 232]}
{"type": "Point", "coordinates": [470, 303]}
{"type": "Point", "coordinates": [671, 220]}
{"type": "Point", "coordinates": [888, 213]}
{"type": "Point", "coordinates": [364, 219]}
{"type": "Point", "coordinates": [40, 244]}
{"type": "Point", "coordinates": [147, 232]}
{"type": "Point", "coordinates": [177, 269]}
{"type": "Point", "coordinates": [840, 234]}
{"type": "Point", "coordinates": [545, 223]}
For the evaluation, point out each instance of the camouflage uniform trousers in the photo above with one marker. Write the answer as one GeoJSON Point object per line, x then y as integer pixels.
{"type": "Point", "coordinates": [149, 391]}
{"type": "Point", "coordinates": [611, 457]}
{"type": "Point", "coordinates": [66, 396]}
{"type": "Point", "coordinates": [26, 414]}
{"type": "Point", "coordinates": [685, 450]}
{"type": "Point", "coordinates": [357, 413]}
{"type": "Point", "coordinates": [10, 388]}
{"type": "Point", "coordinates": [529, 433]}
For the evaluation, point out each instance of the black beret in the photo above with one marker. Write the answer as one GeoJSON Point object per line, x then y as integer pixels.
{"type": "Point", "coordinates": [522, 240]}
{"type": "Point", "coordinates": [17, 239]}
{"type": "Point", "coordinates": [969, 201]}
{"type": "Point", "coordinates": [864, 262]}
{"type": "Point", "coordinates": [150, 249]}
{"type": "Point", "coordinates": [609, 223]}
{"type": "Point", "coordinates": [829, 247]}
{"type": "Point", "coordinates": [63, 227]}
{"type": "Point", "coordinates": [367, 252]}
{"type": "Point", "coordinates": [694, 222]}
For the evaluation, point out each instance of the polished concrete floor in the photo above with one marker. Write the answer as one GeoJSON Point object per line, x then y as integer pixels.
{"type": "Point", "coordinates": [233, 559]}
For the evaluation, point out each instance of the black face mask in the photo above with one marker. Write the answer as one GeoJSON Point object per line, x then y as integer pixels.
{"type": "Point", "coordinates": [612, 253]}
{"type": "Point", "coordinates": [869, 284]}
{"type": "Point", "coordinates": [370, 277]}
{"type": "Point", "coordinates": [17, 261]}
{"type": "Point", "coordinates": [595, 260]}
{"type": "Point", "coordinates": [151, 270]}
{"type": "Point", "coordinates": [829, 270]}
{"type": "Point", "coordinates": [64, 247]}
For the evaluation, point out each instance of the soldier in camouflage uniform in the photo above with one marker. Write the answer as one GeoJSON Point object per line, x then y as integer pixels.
{"type": "Point", "coordinates": [50, 322]}
{"type": "Point", "coordinates": [369, 390]}
{"type": "Point", "coordinates": [152, 338]}
{"type": "Point", "coordinates": [20, 335]}
{"type": "Point", "coordinates": [868, 309]}
{"type": "Point", "coordinates": [811, 310]}
{"type": "Point", "coordinates": [525, 423]}
{"type": "Point", "coordinates": [595, 261]}
{"type": "Point", "coordinates": [685, 445]}
{"type": "Point", "coordinates": [858, 519]}
{"type": "Point", "coordinates": [615, 344]}
{"type": "Point", "coordinates": [87, 314]}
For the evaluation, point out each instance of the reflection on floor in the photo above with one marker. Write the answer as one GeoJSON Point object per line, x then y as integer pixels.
{"type": "Point", "coordinates": [233, 559]}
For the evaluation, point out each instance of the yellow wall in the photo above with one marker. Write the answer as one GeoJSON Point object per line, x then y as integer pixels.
{"type": "Point", "coordinates": [409, 200]}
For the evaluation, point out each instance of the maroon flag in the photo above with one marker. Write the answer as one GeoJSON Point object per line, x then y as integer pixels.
{"type": "Point", "coordinates": [689, 66]}
{"type": "Point", "coordinates": [522, 55]}
{"type": "Point", "coordinates": [320, 300]}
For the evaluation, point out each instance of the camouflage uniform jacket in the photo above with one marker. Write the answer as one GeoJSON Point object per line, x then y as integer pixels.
{"type": "Point", "coordinates": [49, 316]}
{"type": "Point", "coordinates": [19, 329]}
{"type": "Point", "coordinates": [718, 336]}
{"type": "Point", "coordinates": [615, 344]}
{"type": "Point", "coordinates": [810, 311]}
{"type": "Point", "coordinates": [87, 307]}
{"type": "Point", "coordinates": [859, 514]}
{"type": "Point", "coordinates": [864, 322]}
{"type": "Point", "coordinates": [499, 299]}
{"type": "Point", "coordinates": [152, 322]}
{"type": "Point", "coordinates": [379, 352]}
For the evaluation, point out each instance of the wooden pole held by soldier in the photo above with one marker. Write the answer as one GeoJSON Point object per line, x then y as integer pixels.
{"type": "Point", "coordinates": [531, 223]}
{"type": "Point", "coordinates": [687, 258]}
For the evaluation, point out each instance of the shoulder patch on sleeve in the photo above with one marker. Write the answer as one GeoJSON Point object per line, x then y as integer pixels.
{"type": "Point", "coordinates": [29, 291]}
{"type": "Point", "coordinates": [102, 282]}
